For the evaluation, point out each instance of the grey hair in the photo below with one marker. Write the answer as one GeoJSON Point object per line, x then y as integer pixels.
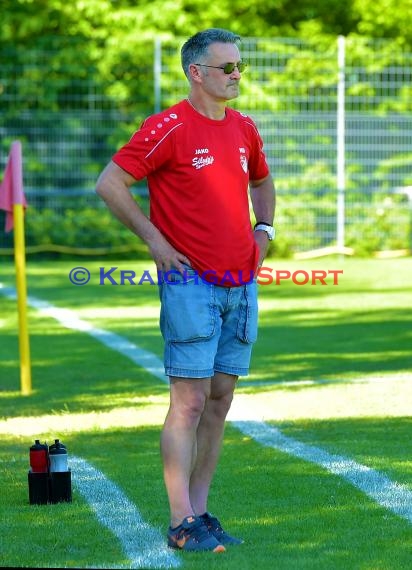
{"type": "Point", "coordinates": [196, 47]}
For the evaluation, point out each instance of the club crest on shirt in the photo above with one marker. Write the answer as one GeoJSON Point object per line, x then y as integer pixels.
{"type": "Point", "coordinates": [243, 162]}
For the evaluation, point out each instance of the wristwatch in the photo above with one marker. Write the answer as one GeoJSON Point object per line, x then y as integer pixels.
{"type": "Point", "coordinates": [264, 227]}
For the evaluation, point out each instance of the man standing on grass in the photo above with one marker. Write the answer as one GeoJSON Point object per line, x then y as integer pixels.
{"type": "Point", "coordinates": [200, 158]}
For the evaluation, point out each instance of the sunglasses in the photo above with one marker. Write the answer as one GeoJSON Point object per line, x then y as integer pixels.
{"type": "Point", "coordinates": [228, 68]}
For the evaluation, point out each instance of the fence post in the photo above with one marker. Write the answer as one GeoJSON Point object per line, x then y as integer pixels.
{"type": "Point", "coordinates": [157, 73]}
{"type": "Point", "coordinates": [340, 166]}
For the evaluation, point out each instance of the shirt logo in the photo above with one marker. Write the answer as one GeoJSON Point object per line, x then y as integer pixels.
{"type": "Point", "coordinates": [202, 158]}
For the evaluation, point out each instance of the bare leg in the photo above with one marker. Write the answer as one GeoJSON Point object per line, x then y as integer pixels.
{"type": "Point", "coordinates": [209, 438]}
{"type": "Point", "coordinates": [188, 398]}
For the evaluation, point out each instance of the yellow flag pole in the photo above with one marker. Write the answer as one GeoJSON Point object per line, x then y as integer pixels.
{"type": "Point", "coordinates": [20, 264]}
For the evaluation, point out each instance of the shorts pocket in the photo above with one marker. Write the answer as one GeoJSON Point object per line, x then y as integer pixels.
{"type": "Point", "coordinates": [187, 312]}
{"type": "Point", "coordinates": [248, 315]}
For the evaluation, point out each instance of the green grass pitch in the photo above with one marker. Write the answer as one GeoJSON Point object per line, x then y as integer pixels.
{"type": "Point", "coordinates": [332, 368]}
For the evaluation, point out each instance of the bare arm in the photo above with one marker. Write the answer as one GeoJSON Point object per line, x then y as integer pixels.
{"type": "Point", "coordinates": [113, 186]}
{"type": "Point", "coordinates": [263, 197]}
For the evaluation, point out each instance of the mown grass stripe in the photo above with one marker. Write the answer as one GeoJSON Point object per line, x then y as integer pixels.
{"type": "Point", "coordinates": [142, 544]}
{"type": "Point", "coordinates": [389, 494]}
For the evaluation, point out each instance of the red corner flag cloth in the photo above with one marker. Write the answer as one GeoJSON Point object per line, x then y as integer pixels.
{"type": "Point", "coordinates": [11, 188]}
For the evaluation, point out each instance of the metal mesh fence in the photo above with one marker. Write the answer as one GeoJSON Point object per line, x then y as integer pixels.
{"type": "Point", "coordinates": [335, 117]}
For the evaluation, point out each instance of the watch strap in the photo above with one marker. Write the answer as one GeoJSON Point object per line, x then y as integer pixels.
{"type": "Point", "coordinates": [262, 226]}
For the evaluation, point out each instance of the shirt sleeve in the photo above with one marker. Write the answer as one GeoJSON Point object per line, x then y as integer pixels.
{"type": "Point", "coordinates": [149, 148]}
{"type": "Point", "coordinates": [258, 167]}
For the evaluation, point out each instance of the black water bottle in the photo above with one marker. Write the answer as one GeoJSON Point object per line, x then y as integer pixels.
{"type": "Point", "coordinates": [60, 474]}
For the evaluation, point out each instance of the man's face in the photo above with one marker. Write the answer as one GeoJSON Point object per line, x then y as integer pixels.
{"type": "Point", "coordinates": [215, 82]}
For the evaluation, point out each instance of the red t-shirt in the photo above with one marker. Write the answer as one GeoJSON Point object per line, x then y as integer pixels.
{"type": "Point", "coordinates": [198, 171]}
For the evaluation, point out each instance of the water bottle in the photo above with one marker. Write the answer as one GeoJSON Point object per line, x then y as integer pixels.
{"type": "Point", "coordinates": [58, 457]}
{"type": "Point", "coordinates": [38, 476]}
{"type": "Point", "coordinates": [60, 474]}
{"type": "Point", "coordinates": [39, 457]}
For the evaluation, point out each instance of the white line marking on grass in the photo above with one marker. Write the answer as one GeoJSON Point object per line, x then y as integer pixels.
{"type": "Point", "coordinates": [70, 320]}
{"type": "Point", "coordinates": [143, 544]}
{"type": "Point", "coordinates": [385, 492]}
{"type": "Point", "coordinates": [389, 494]}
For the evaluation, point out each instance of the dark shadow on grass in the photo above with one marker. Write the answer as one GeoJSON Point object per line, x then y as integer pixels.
{"type": "Point", "coordinates": [73, 372]}
{"type": "Point", "coordinates": [328, 349]}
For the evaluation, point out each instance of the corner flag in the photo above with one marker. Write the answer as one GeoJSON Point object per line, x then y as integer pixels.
{"type": "Point", "coordinates": [11, 188]}
{"type": "Point", "coordinates": [12, 200]}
